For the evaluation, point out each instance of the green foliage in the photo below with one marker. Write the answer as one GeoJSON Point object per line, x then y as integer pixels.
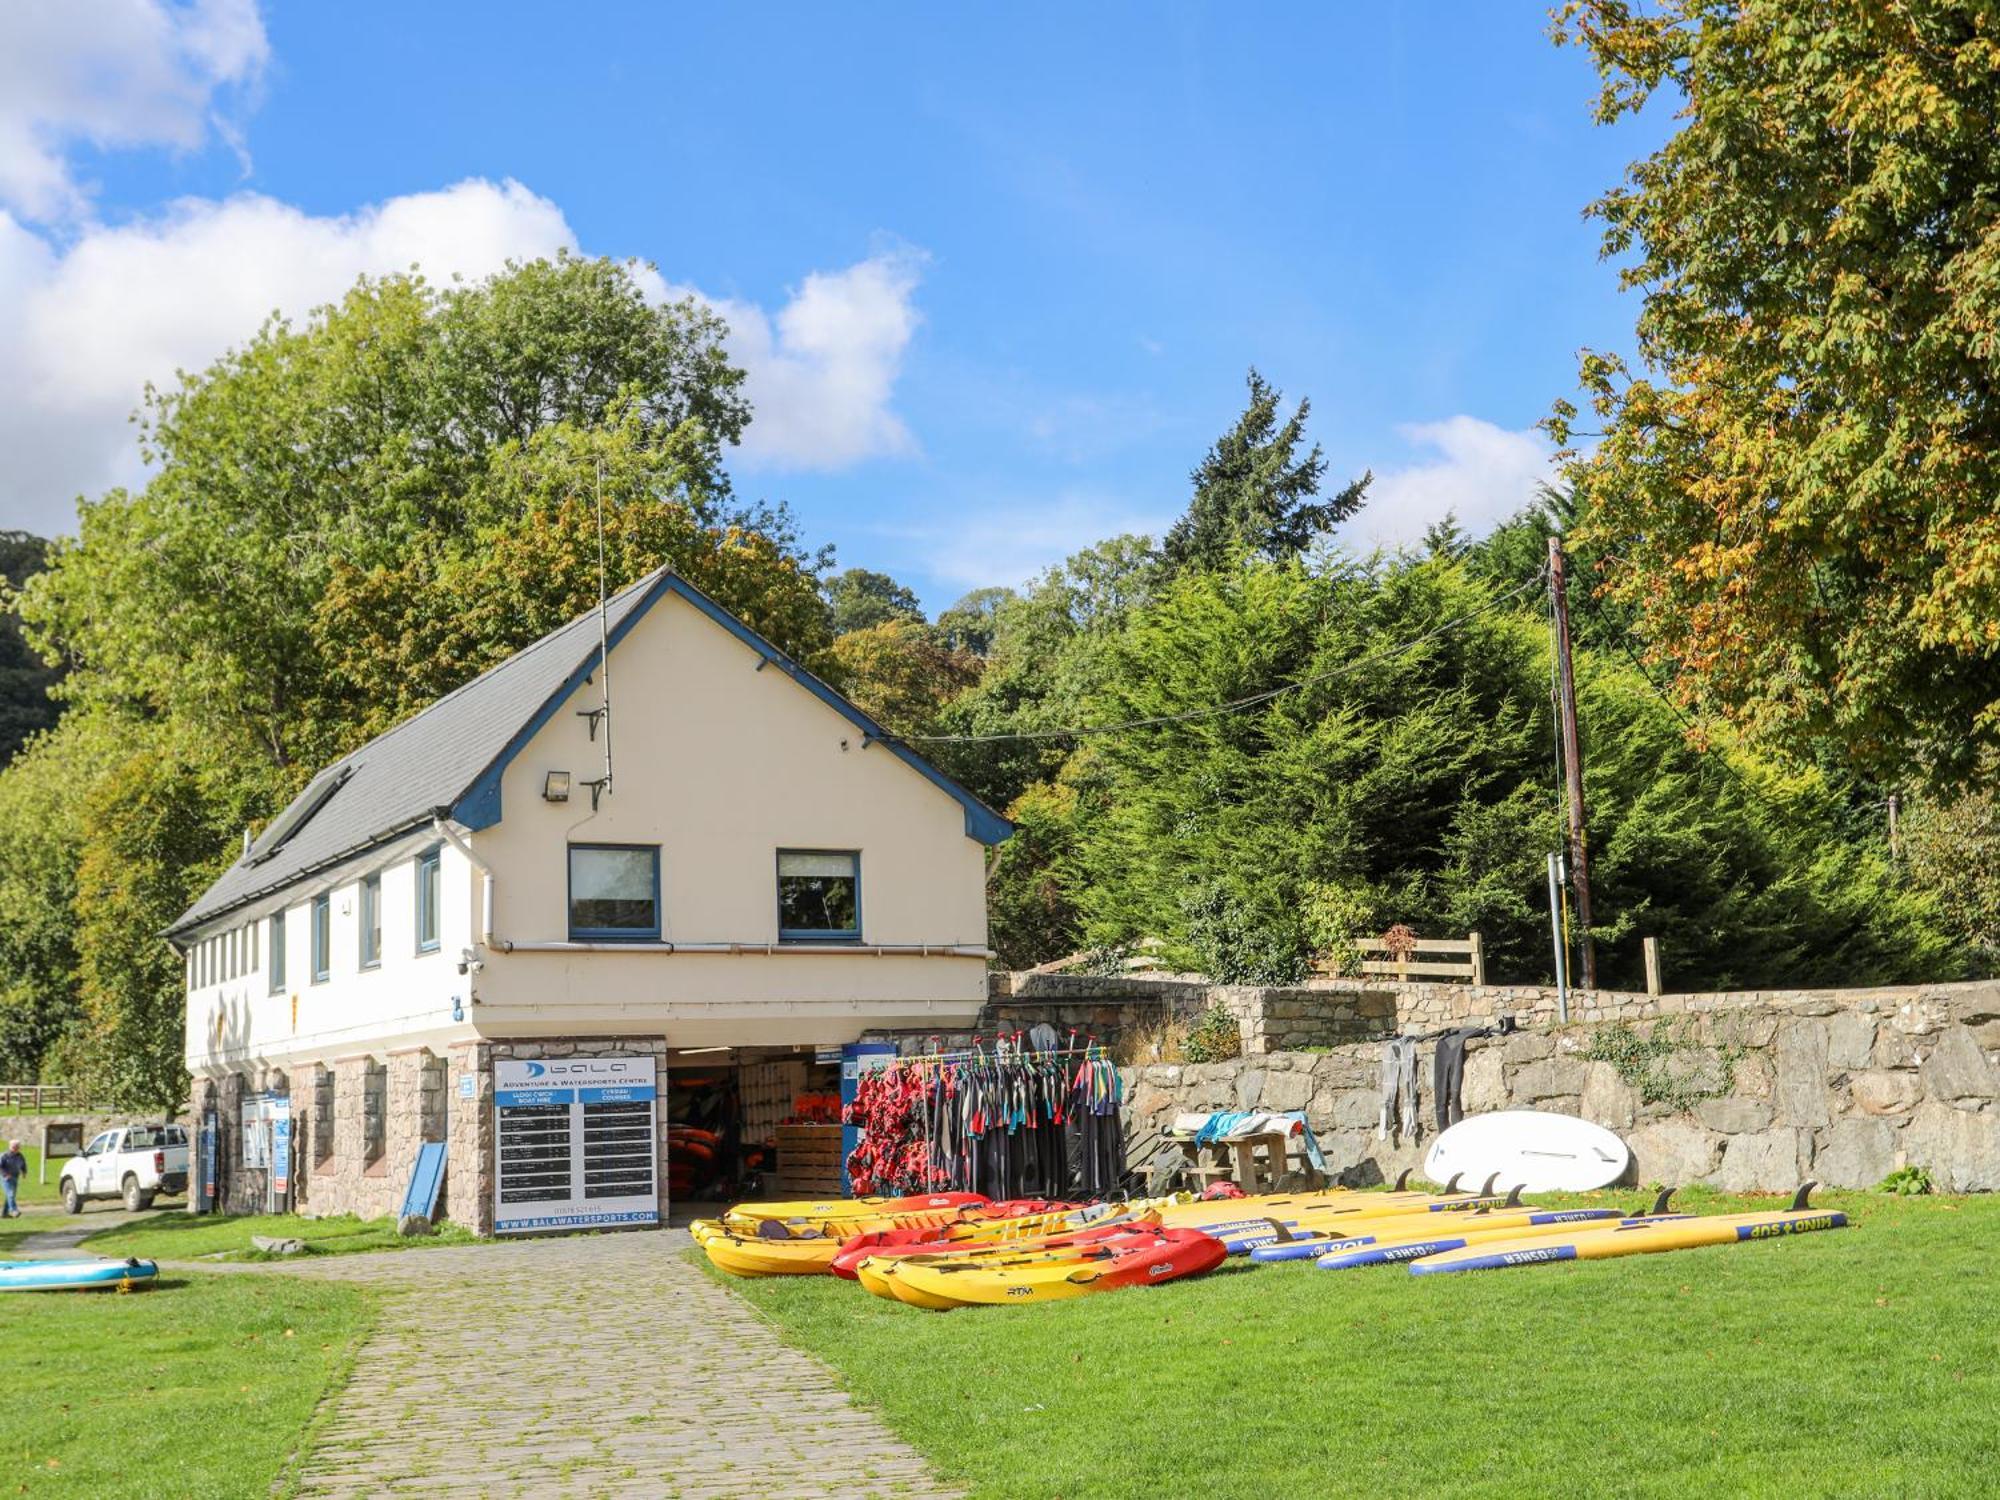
{"type": "Point", "coordinates": [1333, 918]}
{"type": "Point", "coordinates": [403, 420]}
{"type": "Point", "coordinates": [1255, 493]}
{"type": "Point", "coordinates": [1213, 1037]}
{"type": "Point", "coordinates": [1031, 918]}
{"type": "Point", "coordinates": [1666, 1064]}
{"type": "Point", "coordinates": [26, 707]}
{"type": "Point", "coordinates": [1424, 782]}
{"type": "Point", "coordinates": [861, 600]}
{"type": "Point", "coordinates": [1043, 661]}
{"type": "Point", "coordinates": [1906, 1182]}
{"type": "Point", "coordinates": [901, 672]}
{"type": "Point", "coordinates": [972, 623]}
{"type": "Point", "coordinates": [1952, 848]}
{"type": "Point", "coordinates": [1798, 480]}
{"type": "Point", "coordinates": [1243, 932]}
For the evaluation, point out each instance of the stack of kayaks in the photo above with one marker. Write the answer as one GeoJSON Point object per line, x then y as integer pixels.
{"type": "Point", "coordinates": [936, 1254]}
{"type": "Point", "coordinates": [76, 1275]}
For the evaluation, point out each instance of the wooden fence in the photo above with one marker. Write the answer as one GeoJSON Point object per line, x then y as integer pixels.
{"type": "Point", "coordinates": [34, 1098]}
{"type": "Point", "coordinates": [1416, 964]}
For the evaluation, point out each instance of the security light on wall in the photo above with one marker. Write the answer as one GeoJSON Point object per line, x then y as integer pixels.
{"type": "Point", "coordinates": [555, 787]}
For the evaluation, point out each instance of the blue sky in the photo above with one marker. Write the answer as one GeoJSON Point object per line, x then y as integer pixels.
{"type": "Point", "coordinates": [996, 275]}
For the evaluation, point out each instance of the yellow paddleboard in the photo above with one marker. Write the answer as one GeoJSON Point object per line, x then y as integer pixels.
{"type": "Point", "coordinates": [1642, 1238]}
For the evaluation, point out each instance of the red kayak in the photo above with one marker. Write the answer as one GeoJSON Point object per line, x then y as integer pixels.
{"type": "Point", "coordinates": [889, 1245]}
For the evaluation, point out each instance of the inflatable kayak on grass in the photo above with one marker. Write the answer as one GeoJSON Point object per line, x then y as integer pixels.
{"type": "Point", "coordinates": [1172, 1253]}
{"type": "Point", "coordinates": [75, 1275]}
{"type": "Point", "coordinates": [1645, 1237]}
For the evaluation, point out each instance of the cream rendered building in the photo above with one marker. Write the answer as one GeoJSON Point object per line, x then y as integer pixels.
{"type": "Point", "coordinates": [465, 910]}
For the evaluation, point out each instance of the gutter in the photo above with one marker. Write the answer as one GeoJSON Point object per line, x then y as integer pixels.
{"type": "Point", "coordinates": [445, 831]}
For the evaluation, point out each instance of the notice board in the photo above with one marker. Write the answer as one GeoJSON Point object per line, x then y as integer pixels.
{"type": "Point", "coordinates": [577, 1140]}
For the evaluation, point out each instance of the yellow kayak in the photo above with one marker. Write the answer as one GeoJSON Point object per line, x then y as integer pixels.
{"type": "Point", "coordinates": [1170, 1254]}
{"type": "Point", "coordinates": [855, 1208]}
{"type": "Point", "coordinates": [746, 1255]}
{"type": "Point", "coordinates": [1640, 1238]}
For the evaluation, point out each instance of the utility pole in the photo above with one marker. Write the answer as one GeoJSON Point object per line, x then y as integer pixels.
{"type": "Point", "coordinates": [1579, 842]}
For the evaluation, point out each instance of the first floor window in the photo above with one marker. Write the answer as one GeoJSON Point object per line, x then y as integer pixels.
{"type": "Point", "coordinates": [277, 953]}
{"type": "Point", "coordinates": [428, 886]}
{"type": "Point", "coordinates": [322, 937]}
{"type": "Point", "coordinates": [371, 922]}
{"type": "Point", "coordinates": [819, 895]}
{"type": "Point", "coordinates": [614, 892]}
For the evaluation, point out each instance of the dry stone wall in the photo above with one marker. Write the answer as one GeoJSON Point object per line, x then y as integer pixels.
{"type": "Point", "coordinates": [1841, 1086]}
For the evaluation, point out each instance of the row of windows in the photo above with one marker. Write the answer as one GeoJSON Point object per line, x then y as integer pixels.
{"type": "Point", "coordinates": [229, 955]}
{"type": "Point", "coordinates": [614, 894]}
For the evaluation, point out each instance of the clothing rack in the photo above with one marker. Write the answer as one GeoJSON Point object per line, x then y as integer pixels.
{"type": "Point", "coordinates": [1010, 1120]}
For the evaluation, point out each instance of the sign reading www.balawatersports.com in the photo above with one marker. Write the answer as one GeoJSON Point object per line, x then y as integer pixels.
{"type": "Point", "coordinates": [577, 1143]}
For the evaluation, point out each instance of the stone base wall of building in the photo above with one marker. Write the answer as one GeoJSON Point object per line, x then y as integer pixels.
{"type": "Point", "coordinates": [1839, 1087]}
{"type": "Point", "coordinates": [358, 1124]}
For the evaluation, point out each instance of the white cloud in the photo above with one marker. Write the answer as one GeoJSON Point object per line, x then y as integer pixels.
{"type": "Point", "coordinates": [1011, 541]}
{"type": "Point", "coordinates": [1482, 474]}
{"type": "Point", "coordinates": [84, 327]}
{"type": "Point", "coordinates": [821, 372]}
{"type": "Point", "coordinates": [110, 74]}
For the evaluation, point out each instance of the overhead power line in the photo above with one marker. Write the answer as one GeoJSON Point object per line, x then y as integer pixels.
{"type": "Point", "coordinates": [1234, 705]}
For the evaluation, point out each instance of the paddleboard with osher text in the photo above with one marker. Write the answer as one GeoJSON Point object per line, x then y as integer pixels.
{"type": "Point", "coordinates": [1532, 1149]}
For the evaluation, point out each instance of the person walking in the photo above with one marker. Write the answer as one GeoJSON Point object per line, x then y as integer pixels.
{"type": "Point", "coordinates": [13, 1167]}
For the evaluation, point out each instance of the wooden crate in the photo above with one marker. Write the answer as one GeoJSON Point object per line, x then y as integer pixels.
{"type": "Point", "coordinates": [809, 1160]}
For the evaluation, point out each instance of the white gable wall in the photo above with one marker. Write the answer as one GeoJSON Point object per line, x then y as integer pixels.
{"type": "Point", "coordinates": [722, 765]}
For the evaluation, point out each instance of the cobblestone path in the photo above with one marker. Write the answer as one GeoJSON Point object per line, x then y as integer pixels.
{"type": "Point", "coordinates": [603, 1365]}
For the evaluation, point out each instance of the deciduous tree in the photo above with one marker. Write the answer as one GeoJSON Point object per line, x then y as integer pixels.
{"type": "Point", "coordinates": [1795, 486]}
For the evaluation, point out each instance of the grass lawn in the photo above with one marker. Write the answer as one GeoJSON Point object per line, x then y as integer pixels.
{"type": "Point", "coordinates": [200, 1386]}
{"type": "Point", "coordinates": [189, 1236]}
{"type": "Point", "coordinates": [1861, 1361]}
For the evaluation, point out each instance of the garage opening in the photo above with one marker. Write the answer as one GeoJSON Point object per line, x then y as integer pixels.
{"type": "Point", "coordinates": [748, 1122]}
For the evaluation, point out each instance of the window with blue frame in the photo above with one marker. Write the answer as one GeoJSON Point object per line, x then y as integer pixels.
{"type": "Point", "coordinates": [371, 922]}
{"type": "Point", "coordinates": [429, 885]}
{"type": "Point", "coordinates": [819, 895]}
{"type": "Point", "coordinates": [614, 892]}
{"type": "Point", "coordinates": [322, 937]}
{"type": "Point", "coordinates": [277, 946]}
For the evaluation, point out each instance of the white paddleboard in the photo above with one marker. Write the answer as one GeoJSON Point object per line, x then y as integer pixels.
{"type": "Point", "coordinates": [1542, 1152]}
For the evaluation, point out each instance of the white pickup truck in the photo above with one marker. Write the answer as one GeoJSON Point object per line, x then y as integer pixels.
{"type": "Point", "coordinates": [133, 1162]}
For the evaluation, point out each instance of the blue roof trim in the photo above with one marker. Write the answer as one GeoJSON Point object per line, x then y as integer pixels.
{"type": "Point", "coordinates": [479, 805]}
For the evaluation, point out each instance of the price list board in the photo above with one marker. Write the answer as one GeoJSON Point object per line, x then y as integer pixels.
{"type": "Point", "coordinates": [577, 1139]}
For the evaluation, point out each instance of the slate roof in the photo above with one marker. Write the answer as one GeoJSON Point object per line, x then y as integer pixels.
{"type": "Point", "coordinates": [451, 754]}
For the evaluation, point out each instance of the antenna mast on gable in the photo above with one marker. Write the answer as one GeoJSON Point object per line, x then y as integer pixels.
{"type": "Point", "coordinates": [603, 784]}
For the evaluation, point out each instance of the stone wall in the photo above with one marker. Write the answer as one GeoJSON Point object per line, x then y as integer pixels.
{"type": "Point", "coordinates": [1338, 1012]}
{"type": "Point", "coordinates": [1841, 1087]}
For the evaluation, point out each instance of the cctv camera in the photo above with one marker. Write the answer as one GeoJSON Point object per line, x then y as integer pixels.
{"type": "Point", "coordinates": [469, 963]}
